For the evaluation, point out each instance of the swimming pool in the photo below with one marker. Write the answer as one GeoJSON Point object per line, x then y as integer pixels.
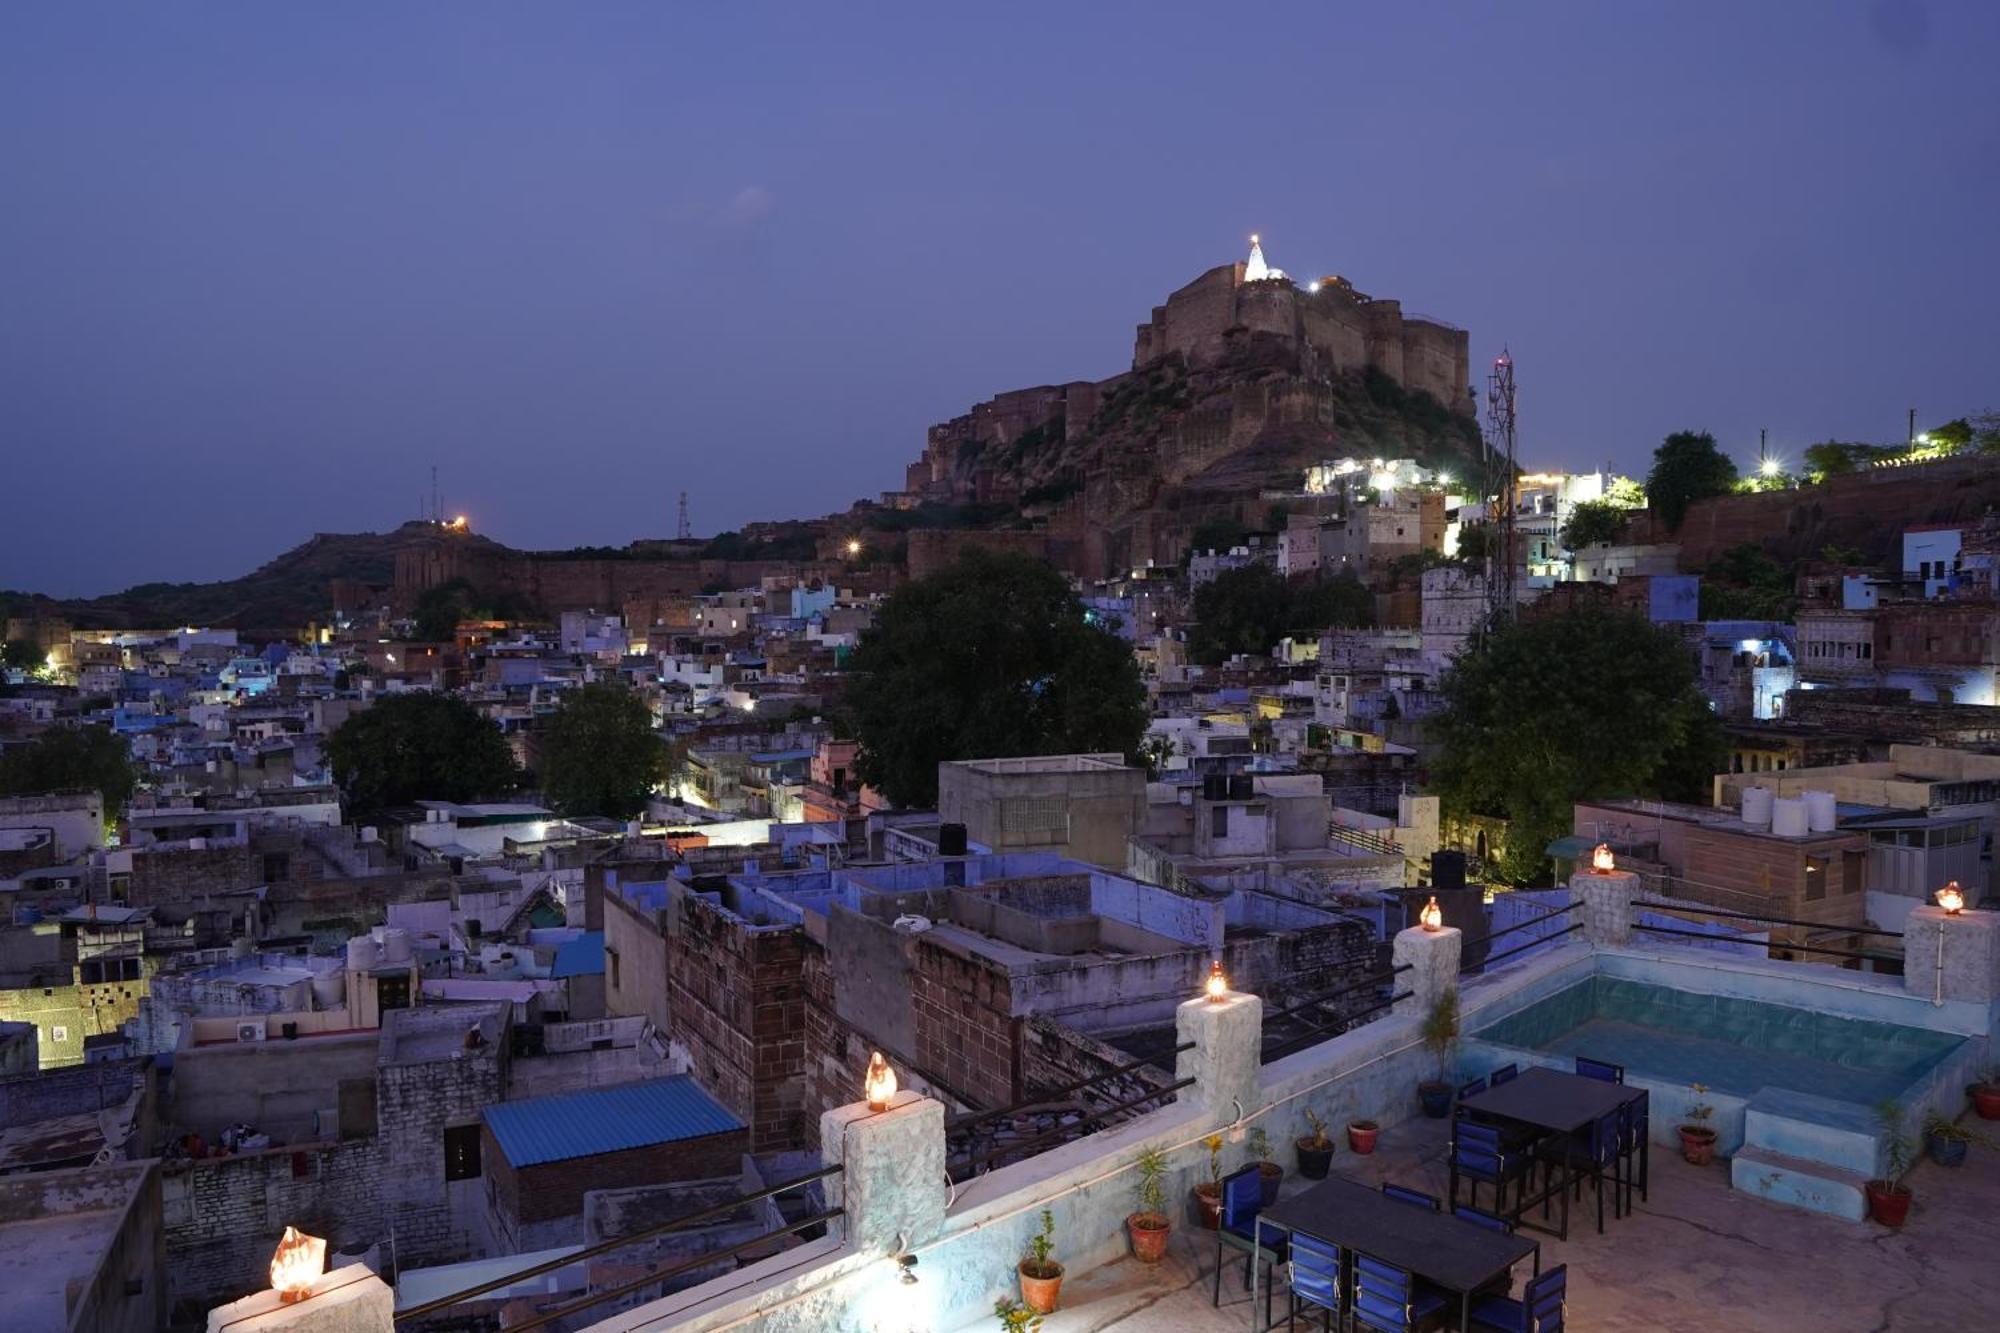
{"type": "Point", "coordinates": [1730, 1045]}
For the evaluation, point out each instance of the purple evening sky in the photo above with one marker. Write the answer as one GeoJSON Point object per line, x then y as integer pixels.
{"type": "Point", "coordinates": [261, 265]}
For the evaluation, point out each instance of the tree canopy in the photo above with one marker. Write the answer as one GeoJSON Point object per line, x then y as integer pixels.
{"type": "Point", "coordinates": [21, 654]}
{"type": "Point", "coordinates": [988, 657]}
{"type": "Point", "coordinates": [1247, 610]}
{"type": "Point", "coordinates": [1592, 522]}
{"type": "Point", "coordinates": [599, 753]}
{"type": "Point", "coordinates": [1687, 467]}
{"type": "Point", "coordinates": [419, 747]}
{"type": "Point", "coordinates": [71, 759]}
{"type": "Point", "coordinates": [1579, 704]}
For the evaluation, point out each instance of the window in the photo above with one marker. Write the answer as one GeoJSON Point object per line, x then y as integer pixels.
{"type": "Point", "coordinates": [392, 992]}
{"type": "Point", "coordinates": [1815, 878]}
{"type": "Point", "coordinates": [277, 867]}
{"type": "Point", "coordinates": [1218, 821]}
{"type": "Point", "coordinates": [611, 966]}
{"type": "Point", "coordinates": [59, 1034]}
{"type": "Point", "coordinates": [461, 1152]}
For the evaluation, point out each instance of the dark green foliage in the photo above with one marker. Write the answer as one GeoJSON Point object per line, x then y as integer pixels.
{"type": "Point", "coordinates": [1744, 583]}
{"type": "Point", "coordinates": [1833, 458]}
{"type": "Point", "coordinates": [439, 609]}
{"type": "Point", "coordinates": [71, 759]}
{"type": "Point", "coordinates": [793, 544]}
{"type": "Point", "coordinates": [1248, 610]}
{"type": "Point", "coordinates": [989, 657]}
{"type": "Point", "coordinates": [1592, 522]}
{"type": "Point", "coordinates": [419, 747]}
{"type": "Point", "coordinates": [22, 654]}
{"type": "Point", "coordinates": [932, 514]}
{"type": "Point", "coordinates": [1687, 467]}
{"type": "Point", "coordinates": [599, 753]}
{"type": "Point", "coordinates": [1581, 704]}
{"type": "Point", "coordinates": [1217, 534]}
{"type": "Point", "coordinates": [1473, 540]}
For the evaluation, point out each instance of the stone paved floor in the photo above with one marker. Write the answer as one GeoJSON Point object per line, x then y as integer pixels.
{"type": "Point", "coordinates": [1697, 1257]}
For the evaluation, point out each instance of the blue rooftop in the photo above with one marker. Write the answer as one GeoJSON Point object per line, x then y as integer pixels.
{"type": "Point", "coordinates": [584, 1124]}
{"type": "Point", "coordinates": [580, 957]}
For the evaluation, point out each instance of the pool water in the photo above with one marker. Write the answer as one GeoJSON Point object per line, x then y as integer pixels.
{"type": "Point", "coordinates": [1731, 1045]}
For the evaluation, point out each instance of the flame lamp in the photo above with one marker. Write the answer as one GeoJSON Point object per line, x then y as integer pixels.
{"type": "Point", "coordinates": [1950, 899]}
{"type": "Point", "coordinates": [880, 1084]}
{"type": "Point", "coordinates": [1602, 861]}
{"type": "Point", "coordinates": [1432, 917]}
{"type": "Point", "coordinates": [299, 1260]}
{"type": "Point", "coordinates": [1218, 985]}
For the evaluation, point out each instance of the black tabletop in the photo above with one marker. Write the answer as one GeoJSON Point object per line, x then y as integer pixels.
{"type": "Point", "coordinates": [1550, 1099]}
{"type": "Point", "coordinates": [1454, 1254]}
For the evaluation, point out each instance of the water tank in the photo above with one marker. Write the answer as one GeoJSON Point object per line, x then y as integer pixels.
{"type": "Point", "coordinates": [395, 946]}
{"type": "Point", "coordinates": [1819, 811]}
{"type": "Point", "coordinates": [1788, 817]}
{"type": "Point", "coordinates": [1757, 806]}
{"type": "Point", "coordinates": [951, 840]}
{"type": "Point", "coordinates": [1447, 870]}
{"type": "Point", "coordinates": [1242, 786]}
{"type": "Point", "coordinates": [240, 947]}
{"type": "Point", "coordinates": [329, 988]}
{"type": "Point", "coordinates": [360, 953]}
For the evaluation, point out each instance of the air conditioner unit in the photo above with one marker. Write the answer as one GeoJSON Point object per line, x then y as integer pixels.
{"type": "Point", "coordinates": [326, 1123]}
{"type": "Point", "coordinates": [249, 1030]}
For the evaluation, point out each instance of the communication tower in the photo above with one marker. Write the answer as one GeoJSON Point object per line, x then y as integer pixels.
{"type": "Point", "coordinates": [1502, 483]}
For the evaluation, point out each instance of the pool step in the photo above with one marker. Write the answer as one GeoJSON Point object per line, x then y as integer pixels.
{"type": "Point", "coordinates": [1799, 1183]}
{"type": "Point", "coordinates": [1817, 1129]}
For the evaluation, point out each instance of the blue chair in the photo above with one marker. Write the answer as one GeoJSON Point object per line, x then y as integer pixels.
{"type": "Point", "coordinates": [1317, 1270]}
{"type": "Point", "coordinates": [1472, 1087]}
{"type": "Point", "coordinates": [1593, 1153]}
{"type": "Point", "coordinates": [1479, 1217]}
{"type": "Point", "coordinates": [1505, 1074]}
{"type": "Point", "coordinates": [1387, 1298]}
{"type": "Point", "coordinates": [1479, 1154]}
{"type": "Point", "coordinates": [1402, 1194]}
{"type": "Point", "coordinates": [1242, 1200]}
{"type": "Point", "coordinates": [1599, 1070]}
{"type": "Point", "coordinates": [1634, 1126]}
{"type": "Point", "coordinates": [1540, 1309]}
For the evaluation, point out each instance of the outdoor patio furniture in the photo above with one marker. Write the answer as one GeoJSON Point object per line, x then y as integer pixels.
{"type": "Point", "coordinates": [1479, 1154]}
{"type": "Point", "coordinates": [1503, 1073]}
{"type": "Point", "coordinates": [1540, 1309]}
{"type": "Point", "coordinates": [1317, 1272]}
{"type": "Point", "coordinates": [1556, 1104]}
{"type": "Point", "coordinates": [1479, 1217]}
{"type": "Point", "coordinates": [1634, 1132]}
{"type": "Point", "coordinates": [1599, 1070]}
{"type": "Point", "coordinates": [1388, 1298]}
{"type": "Point", "coordinates": [1594, 1153]}
{"type": "Point", "coordinates": [1472, 1087]}
{"type": "Point", "coordinates": [1404, 1194]}
{"type": "Point", "coordinates": [1242, 1200]}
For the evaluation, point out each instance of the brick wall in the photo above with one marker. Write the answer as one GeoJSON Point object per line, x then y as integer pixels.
{"type": "Point", "coordinates": [434, 1221]}
{"type": "Point", "coordinates": [965, 1029]}
{"type": "Point", "coordinates": [522, 1197]}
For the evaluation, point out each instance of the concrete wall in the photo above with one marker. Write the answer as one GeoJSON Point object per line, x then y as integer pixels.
{"type": "Point", "coordinates": [275, 1085]}
{"type": "Point", "coordinates": [125, 1290]}
{"type": "Point", "coordinates": [1082, 810]}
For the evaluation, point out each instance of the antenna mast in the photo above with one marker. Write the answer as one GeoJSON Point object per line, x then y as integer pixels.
{"type": "Point", "coordinates": [1503, 484]}
{"type": "Point", "coordinates": [682, 530]}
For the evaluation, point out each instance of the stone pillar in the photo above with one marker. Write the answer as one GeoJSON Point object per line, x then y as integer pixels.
{"type": "Point", "coordinates": [1228, 1056]}
{"type": "Point", "coordinates": [346, 1300]}
{"type": "Point", "coordinates": [1952, 957]}
{"type": "Point", "coordinates": [1433, 958]}
{"type": "Point", "coordinates": [1607, 909]}
{"type": "Point", "coordinates": [894, 1187]}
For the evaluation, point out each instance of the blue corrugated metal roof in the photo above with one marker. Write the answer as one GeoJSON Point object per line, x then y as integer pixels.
{"type": "Point", "coordinates": [580, 957]}
{"type": "Point", "coordinates": [583, 1124]}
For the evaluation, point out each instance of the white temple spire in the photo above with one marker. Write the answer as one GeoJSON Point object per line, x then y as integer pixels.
{"type": "Point", "coordinates": [1255, 269]}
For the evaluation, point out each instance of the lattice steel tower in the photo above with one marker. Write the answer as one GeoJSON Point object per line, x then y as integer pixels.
{"type": "Point", "coordinates": [1503, 484]}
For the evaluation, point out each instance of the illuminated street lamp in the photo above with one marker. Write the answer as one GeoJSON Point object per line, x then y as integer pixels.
{"type": "Point", "coordinates": [853, 548]}
{"type": "Point", "coordinates": [1769, 467]}
{"type": "Point", "coordinates": [880, 1084]}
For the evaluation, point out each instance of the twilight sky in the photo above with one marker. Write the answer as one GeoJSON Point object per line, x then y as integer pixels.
{"type": "Point", "coordinates": [262, 264]}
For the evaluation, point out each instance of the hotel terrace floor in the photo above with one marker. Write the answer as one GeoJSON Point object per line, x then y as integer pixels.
{"type": "Point", "coordinates": [1697, 1257]}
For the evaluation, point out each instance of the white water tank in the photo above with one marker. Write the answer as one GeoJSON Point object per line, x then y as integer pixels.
{"type": "Point", "coordinates": [1757, 806]}
{"type": "Point", "coordinates": [1788, 817]}
{"type": "Point", "coordinates": [395, 946]}
{"type": "Point", "coordinates": [1819, 811]}
{"type": "Point", "coordinates": [329, 989]}
{"type": "Point", "coordinates": [360, 953]}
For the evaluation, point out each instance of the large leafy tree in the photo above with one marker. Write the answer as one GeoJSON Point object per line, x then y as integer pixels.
{"type": "Point", "coordinates": [599, 753]}
{"type": "Point", "coordinates": [419, 747]}
{"type": "Point", "coordinates": [1248, 610]}
{"type": "Point", "coordinates": [71, 759]}
{"type": "Point", "coordinates": [1687, 467]}
{"type": "Point", "coordinates": [1592, 522]}
{"type": "Point", "coordinates": [988, 657]}
{"type": "Point", "coordinates": [21, 654]}
{"type": "Point", "coordinates": [1580, 704]}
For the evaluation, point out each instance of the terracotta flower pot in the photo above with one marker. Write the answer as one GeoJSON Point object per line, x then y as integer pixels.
{"type": "Point", "coordinates": [1041, 1291]}
{"type": "Point", "coordinates": [1361, 1136]}
{"type": "Point", "coordinates": [1888, 1202]}
{"type": "Point", "coordinates": [1698, 1144]}
{"type": "Point", "coordinates": [1209, 1199]}
{"type": "Point", "coordinates": [1986, 1100]}
{"type": "Point", "coordinates": [1315, 1158]}
{"type": "Point", "coordinates": [1149, 1233]}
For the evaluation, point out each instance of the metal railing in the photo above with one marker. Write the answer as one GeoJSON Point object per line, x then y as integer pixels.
{"type": "Point", "coordinates": [1491, 935]}
{"type": "Point", "coordinates": [1287, 1045]}
{"type": "Point", "coordinates": [1493, 958]}
{"type": "Point", "coordinates": [1057, 1094]}
{"type": "Point", "coordinates": [1314, 1001]}
{"type": "Point", "coordinates": [1779, 945]}
{"type": "Point", "coordinates": [973, 1166]}
{"type": "Point", "coordinates": [647, 1233]}
{"type": "Point", "coordinates": [1696, 909]}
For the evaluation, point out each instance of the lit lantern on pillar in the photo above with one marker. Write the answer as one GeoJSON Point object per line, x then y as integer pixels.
{"type": "Point", "coordinates": [1218, 984]}
{"type": "Point", "coordinates": [1602, 861]}
{"type": "Point", "coordinates": [1950, 899]}
{"type": "Point", "coordinates": [880, 1084]}
{"type": "Point", "coordinates": [1432, 917]}
{"type": "Point", "coordinates": [299, 1261]}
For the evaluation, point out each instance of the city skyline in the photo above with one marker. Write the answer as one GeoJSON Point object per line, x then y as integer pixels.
{"type": "Point", "coordinates": [266, 270]}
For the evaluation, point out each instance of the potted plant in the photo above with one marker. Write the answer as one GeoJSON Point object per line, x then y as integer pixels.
{"type": "Point", "coordinates": [1208, 1194]}
{"type": "Point", "coordinates": [1150, 1226]}
{"type": "Point", "coordinates": [1946, 1141]}
{"type": "Point", "coordinates": [1315, 1149]}
{"type": "Point", "coordinates": [1041, 1276]}
{"type": "Point", "coordinates": [1440, 1037]}
{"type": "Point", "coordinates": [1985, 1095]}
{"type": "Point", "coordinates": [1697, 1138]}
{"type": "Point", "coordinates": [1015, 1317]}
{"type": "Point", "coordinates": [1269, 1174]}
{"type": "Point", "coordinates": [1361, 1136]}
{"type": "Point", "coordinates": [1889, 1197]}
